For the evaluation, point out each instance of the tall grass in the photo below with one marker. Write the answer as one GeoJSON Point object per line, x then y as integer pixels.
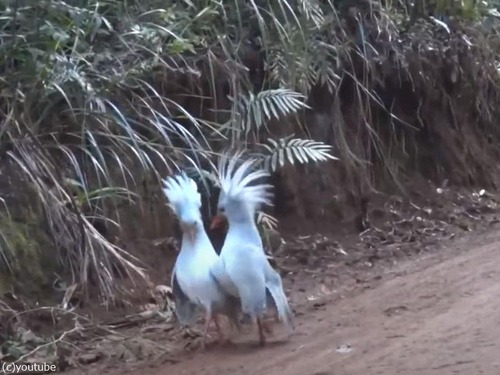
{"type": "Point", "coordinates": [82, 98]}
{"type": "Point", "coordinates": [91, 92]}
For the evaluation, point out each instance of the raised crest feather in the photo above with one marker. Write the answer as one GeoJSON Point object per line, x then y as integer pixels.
{"type": "Point", "coordinates": [236, 181]}
{"type": "Point", "coordinates": [181, 190]}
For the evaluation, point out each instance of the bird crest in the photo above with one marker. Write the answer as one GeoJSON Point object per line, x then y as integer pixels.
{"type": "Point", "coordinates": [181, 191]}
{"type": "Point", "coordinates": [236, 182]}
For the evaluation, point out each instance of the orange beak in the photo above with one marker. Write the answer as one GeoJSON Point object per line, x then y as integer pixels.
{"type": "Point", "coordinates": [218, 221]}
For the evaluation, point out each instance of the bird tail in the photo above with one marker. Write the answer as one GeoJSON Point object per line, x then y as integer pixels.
{"type": "Point", "coordinates": [275, 287]}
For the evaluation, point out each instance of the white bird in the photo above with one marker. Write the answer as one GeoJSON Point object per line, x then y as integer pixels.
{"type": "Point", "coordinates": [243, 269]}
{"type": "Point", "coordinates": [193, 286]}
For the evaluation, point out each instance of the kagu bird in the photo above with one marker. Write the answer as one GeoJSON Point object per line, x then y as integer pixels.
{"type": "Point", "coordinates": [192, 284]}
{"type": "Point", "coordinates": [243, 269]}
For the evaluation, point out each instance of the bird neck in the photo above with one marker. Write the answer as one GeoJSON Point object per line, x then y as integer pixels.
{"type": "Point", "coordinates": [243, 230]}
{"type": "Point", "coordinates": [198, 242]}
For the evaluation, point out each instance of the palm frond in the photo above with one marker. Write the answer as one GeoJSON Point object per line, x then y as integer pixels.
{"type": "Point", "coordinates": [266, 220]}
{"type": "Point", "coordinates": [256, 110]}
{"type": "Point", "coordinates": [292, 150]}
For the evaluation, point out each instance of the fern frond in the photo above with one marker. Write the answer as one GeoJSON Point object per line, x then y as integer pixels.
{"type": "Point", "coordinates": [295, 150]}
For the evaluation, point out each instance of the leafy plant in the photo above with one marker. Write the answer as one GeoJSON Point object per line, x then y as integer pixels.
{"type": "Point", "coordinates": [292, 150]}
{"type": "Point", "coordinates": [106, 93]}
{"type": "Point", "coordinates": [256, 110]}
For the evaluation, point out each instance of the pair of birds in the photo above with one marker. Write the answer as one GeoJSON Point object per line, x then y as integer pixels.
{"type": "Point", "coordinates": [239, 283]}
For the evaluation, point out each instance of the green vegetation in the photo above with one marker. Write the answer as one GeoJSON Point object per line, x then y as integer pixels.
{"type": "Point", "coordinates": [98, 96]}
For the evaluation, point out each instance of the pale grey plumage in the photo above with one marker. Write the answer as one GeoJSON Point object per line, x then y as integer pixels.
{"type": "Point", "coordinates": [243, 268]}
{"type": "Point", "coordinates": [186, 311]}
{"type": "Point", "coordinates": [193, 286]}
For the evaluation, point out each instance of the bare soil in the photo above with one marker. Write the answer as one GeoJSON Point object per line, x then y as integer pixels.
{"type": "Point", "coordinates": [437, 315]}
{"type": "Point", "coordinates": [434, 313]}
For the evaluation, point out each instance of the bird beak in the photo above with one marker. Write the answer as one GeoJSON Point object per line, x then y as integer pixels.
{"type": "Point", "coordinates": [217, 221]}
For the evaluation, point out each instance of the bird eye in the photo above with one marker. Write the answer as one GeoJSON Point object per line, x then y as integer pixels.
{"type": "Point", "coordinates": [222, 210]}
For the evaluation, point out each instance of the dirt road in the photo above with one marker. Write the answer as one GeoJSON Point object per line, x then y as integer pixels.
{"type": "Point", "coordinates": [439, 314]}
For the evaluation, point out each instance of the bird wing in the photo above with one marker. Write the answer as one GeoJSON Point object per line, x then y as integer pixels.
{"type": "Point", "coordinates": [220, 276]}
{"type": "Point", "coordinates": [185, 310]}
{"type": "Point", "coordinates": [242, 271]}
{"type": "Point", "coordinates": [257, 282]}
{"type": "Point", "coordinates": [228, 304]}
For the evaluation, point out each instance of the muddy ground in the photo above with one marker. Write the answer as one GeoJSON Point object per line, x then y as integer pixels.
{"type": "Point", "coordinates": [416, 294]}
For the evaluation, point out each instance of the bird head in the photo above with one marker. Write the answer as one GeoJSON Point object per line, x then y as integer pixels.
{"type": "Point", "coordinates": [190, 222]}
{"type": "Point", "coordinates": [240, 196]}
{"type": "Point", "coordinates": [185, 200]}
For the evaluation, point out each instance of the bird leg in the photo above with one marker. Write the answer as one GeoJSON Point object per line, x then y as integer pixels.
{"type": "Point", "coordinates": [267, 326]}
{"type": "Point", "coordinates": [222, 338]}
{"type": "Point", "coordinates": [217, 325]}
{"type": "Point", "coordinates": [262, 338]}
{"type": "Point", "coordinates": [208, 319]}
{"type": "Point", "coordinates": [268, 323]}
{"type": "Point", "coordinates": [235, 326]}
{"type": "Point", "coordinates": [276, 315]}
